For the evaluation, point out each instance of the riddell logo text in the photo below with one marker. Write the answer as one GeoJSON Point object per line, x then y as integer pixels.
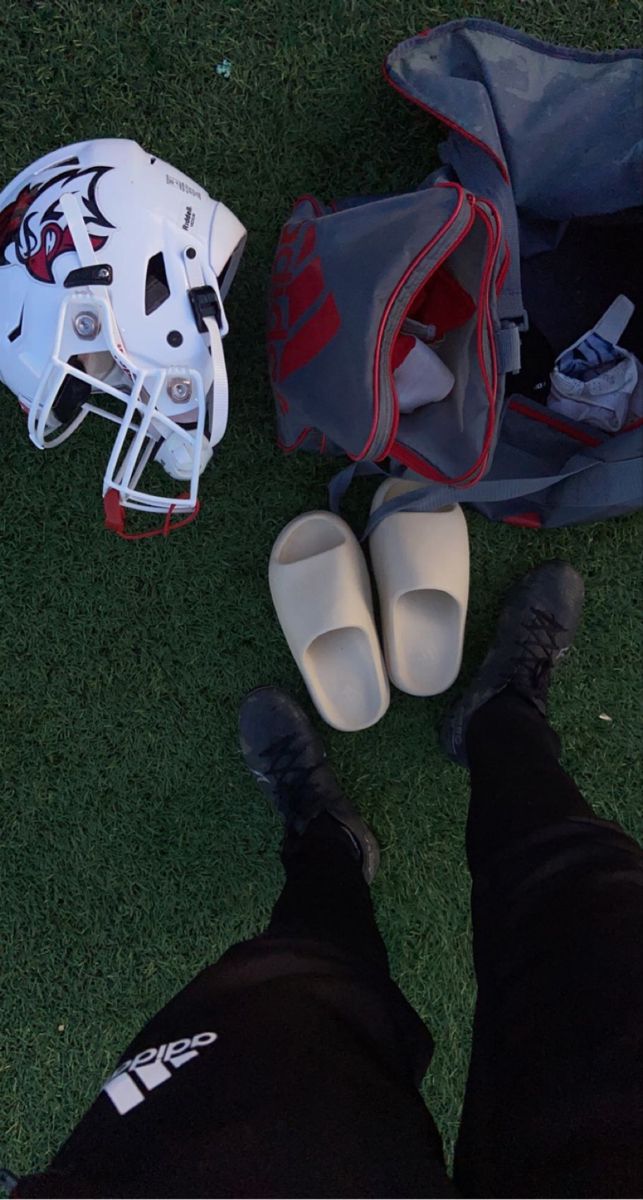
{"type": "Point", "coordinates": [188, 220]}
{"type": "Point", "coordinates": [151, 1068]}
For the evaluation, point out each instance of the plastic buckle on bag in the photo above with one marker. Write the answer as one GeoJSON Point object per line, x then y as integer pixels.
{"type": "Point", "coordinates": [205, 303]}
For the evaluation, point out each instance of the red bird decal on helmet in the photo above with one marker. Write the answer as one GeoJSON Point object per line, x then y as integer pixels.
{"type": "Point", "coordinates": [33, 225]}
{"type": "Point", "coordinates": [11, 218]}
{"type": "Point", "coordinates": [54, 241]}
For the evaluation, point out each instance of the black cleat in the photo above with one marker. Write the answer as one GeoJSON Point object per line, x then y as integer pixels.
{"type": "Point", "coordinates": [536, 628]}
{"type": "Point", "coordinates": [287, 758]}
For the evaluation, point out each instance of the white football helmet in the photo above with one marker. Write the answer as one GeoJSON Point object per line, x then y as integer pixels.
{"type": "Point", "coordinates": [113, 271]}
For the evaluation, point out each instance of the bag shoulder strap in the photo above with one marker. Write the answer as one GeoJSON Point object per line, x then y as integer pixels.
{"type": "Point", "coordinates": [616, 480]}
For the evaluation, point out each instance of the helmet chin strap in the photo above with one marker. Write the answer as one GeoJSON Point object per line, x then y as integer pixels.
{"type": "Point", "coordinates": [218, 404]}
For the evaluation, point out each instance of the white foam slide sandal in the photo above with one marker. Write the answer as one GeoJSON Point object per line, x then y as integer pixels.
{"type": "Point", "coordinates": [421, 565]}
{"type": "Point", "coordinates": [321, 591]}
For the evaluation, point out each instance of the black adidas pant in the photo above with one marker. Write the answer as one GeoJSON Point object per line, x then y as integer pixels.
{"type": "Point", "coordinates": [290, 1068]}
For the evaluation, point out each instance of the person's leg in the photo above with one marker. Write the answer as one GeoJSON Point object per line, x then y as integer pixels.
{"type": "Point", "coordinates": [290, 1067]}
{"type": "Point", "coordinates": [554, 1100]}
{"type": "Point", "coordinates": [329, 854]}
{"type": "Point", "coordinates": [325, 896]}
{"type": "Point", "coordinates": [517, 783]}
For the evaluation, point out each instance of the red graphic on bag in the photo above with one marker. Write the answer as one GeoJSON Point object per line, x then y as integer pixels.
{"type": "Point", "coordinates": [303, 316]}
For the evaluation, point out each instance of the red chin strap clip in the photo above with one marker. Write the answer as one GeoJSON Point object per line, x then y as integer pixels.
{"type": "Point", "coordinates": [115, 518]}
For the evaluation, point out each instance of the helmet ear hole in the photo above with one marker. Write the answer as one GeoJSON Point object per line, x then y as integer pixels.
{"type": "Point", "coordinates": [157, 289]}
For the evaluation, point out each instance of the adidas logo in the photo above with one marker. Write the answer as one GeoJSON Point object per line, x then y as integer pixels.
{"type": "Point", "coordinates": [151, 1068]}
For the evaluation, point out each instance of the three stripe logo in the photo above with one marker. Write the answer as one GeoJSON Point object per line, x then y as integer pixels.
{"type": "Point", "coordinates": [151, 1068]}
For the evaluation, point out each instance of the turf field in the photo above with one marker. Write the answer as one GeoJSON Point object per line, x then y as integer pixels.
{"type": "Point", "coordinates": [135, 849]}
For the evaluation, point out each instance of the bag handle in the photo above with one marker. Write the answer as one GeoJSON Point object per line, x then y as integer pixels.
{"type": "Point", "coordinates": [620, 478]}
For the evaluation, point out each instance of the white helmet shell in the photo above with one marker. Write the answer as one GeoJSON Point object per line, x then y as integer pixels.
{"type": "Point", "coordinates": [113, 271]}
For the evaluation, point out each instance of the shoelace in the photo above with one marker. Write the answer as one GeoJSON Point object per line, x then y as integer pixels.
{"type": "Point", "coordinates": [282, 756]}
{"type": "Point", "coordinates": [539, 650]}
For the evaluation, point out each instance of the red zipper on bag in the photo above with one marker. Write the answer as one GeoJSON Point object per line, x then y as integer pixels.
{"type": "Point", "coordinates": [504, 269]}
{"type": "Point", "coordinates": [402, 453]}
{"type": "Point", "coordinates": [490, 384]}
{"type": "Point", "coordinates": [391, 300]}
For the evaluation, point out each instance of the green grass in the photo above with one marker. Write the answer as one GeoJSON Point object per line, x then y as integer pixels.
{"type": "Point", "coordinates": [135, 849]}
